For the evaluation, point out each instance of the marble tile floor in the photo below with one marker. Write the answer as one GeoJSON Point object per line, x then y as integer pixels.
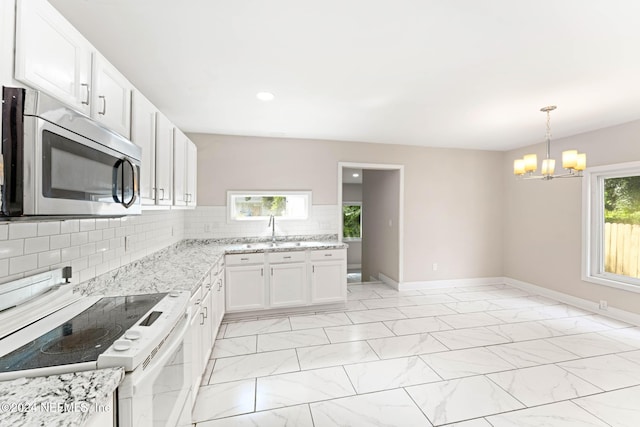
{"type": "Point", "coordinates": [464, 356]}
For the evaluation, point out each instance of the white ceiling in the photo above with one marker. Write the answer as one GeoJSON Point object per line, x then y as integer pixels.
{"type": "Point", "coordinates": [442, 73]}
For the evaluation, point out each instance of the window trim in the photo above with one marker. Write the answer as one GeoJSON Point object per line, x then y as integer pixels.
{"type": "Point", "coordinates": [230, 210]}
{"type": "Point", "coordinates": [352, 239]}
{"type": "Point", "coordinates": [593, 225]}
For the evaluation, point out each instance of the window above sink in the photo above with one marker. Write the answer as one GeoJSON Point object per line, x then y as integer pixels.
{"type": "Point", "coordinates": [261, 205]}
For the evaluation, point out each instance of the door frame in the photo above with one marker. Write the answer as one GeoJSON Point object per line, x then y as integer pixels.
{"type": "Point", "coordinates": [378, 166]}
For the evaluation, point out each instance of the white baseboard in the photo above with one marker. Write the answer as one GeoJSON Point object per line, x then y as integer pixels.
{"type": "Point", "coordinates": [592, 306]}
{"type": "Point", "coordinates": [388, 281]}
{"type": "Point", "coordinates": [452, 283]}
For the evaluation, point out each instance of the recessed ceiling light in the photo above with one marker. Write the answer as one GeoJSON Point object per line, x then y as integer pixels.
{"type": "Point", "coordinates": [355, 175]}
{"type": "Point", "coordinates": [265, 96]}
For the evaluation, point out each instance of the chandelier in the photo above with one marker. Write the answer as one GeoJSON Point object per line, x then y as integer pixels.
{"type": "Point", "coordinates": [572, 161]}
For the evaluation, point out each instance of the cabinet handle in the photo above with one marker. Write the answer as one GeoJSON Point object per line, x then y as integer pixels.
{"type": "Point", "coordinates": [162, 197]}
{"type": "Point", "coordinates": [328, 254]}
{"type": "Point", "coordinates": [104, 105]}
{"type": "Point", "coordinates": [272, 271]}
{"type": "Point", "coordinates": [244, 259]}
{"type": "Point", "coordinates": [206, 311]}
{"type": "Point", "coordinates": [262, 272]}
{"type": "Point", "coordinates": [198, 301]}
{"type": "Point", "coordinates": [86, 101]}
{"type": "Point", "coordinates": [313, 268]}
{"type": "Point", "coordinates": [202, 317]}
{"type": "Point", "coordinates": [286, 257]}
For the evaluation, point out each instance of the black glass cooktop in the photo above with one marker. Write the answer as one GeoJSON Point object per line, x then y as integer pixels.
{"type": "Point", "coordinates": [84, 337]}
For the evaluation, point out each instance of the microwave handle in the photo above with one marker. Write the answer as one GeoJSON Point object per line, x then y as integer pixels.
{"type": "Point", "coordinates": [134, 184]}
{"type": "Point", "coordinates": [118, 195]}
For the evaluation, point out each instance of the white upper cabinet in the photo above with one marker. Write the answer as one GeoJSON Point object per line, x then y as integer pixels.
{"type": "Point", "coordinates": [51, 55]}
{"type": "Point", "coordinates": [179, 168]}
{"type": "Point", "coordinates": [185, 157]}
{"type": "Point", "coordinates": [164, 160]}
{"type": "Point", "coordinates": [143, 134]}
{"type": "Point", "coordinates": [192, 173]}
{"type": "Point", "coordinates": [111, 96]}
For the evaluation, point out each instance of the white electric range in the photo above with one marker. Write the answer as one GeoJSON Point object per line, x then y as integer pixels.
{"type": "Point", "coordinates": [46, 329]}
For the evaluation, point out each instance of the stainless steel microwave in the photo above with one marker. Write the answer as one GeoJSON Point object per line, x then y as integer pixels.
{"type": "Point", "coordinates": [59, 162]}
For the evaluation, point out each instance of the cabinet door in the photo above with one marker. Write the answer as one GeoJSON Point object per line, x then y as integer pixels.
{"type": "Point", "coordinates": [143, 134]}
{"type": "Point", "coordinates": [164, 160]}
{"type": "Point", "coordinates": [245, 288]}
{"type": "Point", "coordinates": [179, 168]}
{"type": "Point", "coordinates": [219, 294]}
{"type": "Point", "coordinates": [111, 97]}
{"type": "Point", "coordinates": [192, 173]}
{"type": "Point", "coordinates": [51, 55]}
{"type": "Point", "coordinates": [287, 284]}
{"type": "Point", "coordinates": [196, 342]}
{"type": "Point", "coordinates": [206, 327]}
{"type": "Point", "coordinates": [328, 282]}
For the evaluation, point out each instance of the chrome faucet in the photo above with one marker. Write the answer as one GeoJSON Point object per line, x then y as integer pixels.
{"type": "Point", "coordinates": [272, 224]}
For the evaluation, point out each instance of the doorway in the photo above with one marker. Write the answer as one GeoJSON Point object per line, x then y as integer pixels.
{"type": "Point", "coordinates": [370, 197]}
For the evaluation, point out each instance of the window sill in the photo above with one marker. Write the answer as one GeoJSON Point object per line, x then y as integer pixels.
{"type": "Point", "coordinates": [610, 281]}
{"type": "Point", "coordinates": [352, 239]}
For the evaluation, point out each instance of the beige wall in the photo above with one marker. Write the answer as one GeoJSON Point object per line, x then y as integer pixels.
{"type": "Point", "coordinates": [351, 192]}
{"type": "Point", "coordinates": [543, 220]}
{"type": "Point", "coordinates": [453, 198]}
{"type": "Point", "coordinates": [380, 228]}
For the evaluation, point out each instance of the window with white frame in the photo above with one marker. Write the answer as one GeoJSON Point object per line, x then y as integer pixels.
{"type": "Point", "coordinates": [352, 220]}
{"type": "Point", "coordinates": [260, 205]}
{"type": "Point", "coordinates": [611, 198]}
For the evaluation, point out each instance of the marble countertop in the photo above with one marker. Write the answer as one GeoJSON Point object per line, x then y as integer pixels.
{"type": "Point", "coordinates": [59, 400]}
{"type": "Point", "coordinates": [183, 266]}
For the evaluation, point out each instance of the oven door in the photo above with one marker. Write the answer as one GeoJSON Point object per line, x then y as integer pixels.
{"type": "Point", "coordinates": [157, 391]}
{"type": "Point", "coordinates": [75, 175]}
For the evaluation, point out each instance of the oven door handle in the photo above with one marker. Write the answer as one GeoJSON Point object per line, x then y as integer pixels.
{"type": "Point", "coordinates": [177, 338]}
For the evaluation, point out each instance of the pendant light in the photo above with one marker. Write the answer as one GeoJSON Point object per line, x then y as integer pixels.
{"type": "Point", "coordinates": [572, 161]}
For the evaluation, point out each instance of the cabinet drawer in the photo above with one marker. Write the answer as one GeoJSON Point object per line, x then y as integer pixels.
{"type": "Point", "coordinates": [293, 256]}
{"type": "Point", "coordinates": [327, 255]}
{"type": "Point", "coordinates": [244, 259]}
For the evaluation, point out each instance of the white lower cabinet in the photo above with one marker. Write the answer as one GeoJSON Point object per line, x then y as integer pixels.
{"type": "Point", "coordinates": [293, 279]}
{"type": "Point", "coordinates": [246, 287]}
{"type": "Point", "coordinates": [196, 342]}
{"type": "Point", "coordinates": [287, 279]}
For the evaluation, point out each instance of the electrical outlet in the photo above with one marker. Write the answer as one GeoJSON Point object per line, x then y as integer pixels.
{"type": "Point", "coordinates": [603, 305]}
{"type": "Point", "coordinates": [435, 266]}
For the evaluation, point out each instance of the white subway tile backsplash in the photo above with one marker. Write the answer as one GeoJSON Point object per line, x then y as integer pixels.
{"type": "Point", "coordinates": [102, 223]}
{"type": "Point", "coordinates": [68, 254]}
{"type": "Point", "coordinates": [48, 228]}
{"type": "Point", "coordinates": [211, 222]}
{"type": "Point", "coordinates": [79, 238]}
{"type": "Point", "coordinates": [4, 267]}
{"type": "Point", "coordinates": [95, 235]}
{"type": "Point", "coordinates": [20, 230]}
{"type": "Point", "coordinates": [46, 259]}
{"type": "Point", "coordinates": [11, 248]}
{"type": "Point", "coordinates": [90, 246]}
{"type": "Point", "coordinates": [95, 259]}
{"type": "Point", "coordinates": [87, 224]}
{"type": "Point", "coordinates": [23, 263]}
{"type": "Point", "coordinates": [60, 241]}
{"type": "Point", "coordinates": [88, 249]}
{"type": "Point", "coordinates": [36, 244]}
{"type": "Point", "coordinates": [70, 226]}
